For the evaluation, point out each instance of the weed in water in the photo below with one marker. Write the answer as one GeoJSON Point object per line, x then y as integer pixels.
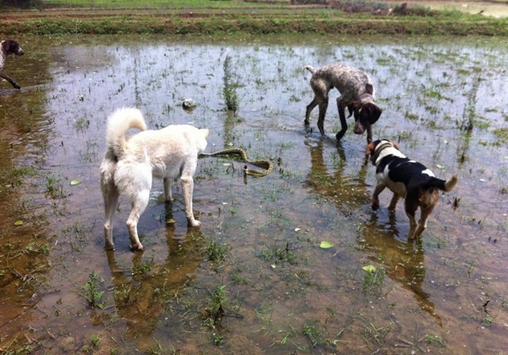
{"type": "Point", "coordinates": [81, 125]}
{"type": "Point", "coordinates": [216, 251]}
{"type": "Point", "coordinates": [213, 313]}
{"type": "Point", "coordinates": [122, 296]}
{"type": "Point", "coordinates": [217, 339]}
{"type": "Point", "coordinates": [44, 249]}
{"type": "Point", "coordinates": [143, 268]}
{"type": "Point", "coordinates": [94, 344]}
{"type": "Point", "coordinates": [313, 334]}
{"type": "Point", "coordinates": [373, 280]}
{"type": "Point", "coordinates": [264, 313]}
{"type": "Point", "coordinates": [159, 350]}
{"type": "Point", "coordinates": [92, 294]}
{"type": "Point", "coordinates": [237, 278]}
{"type": "Point", "coordinates": [54, 188]}
{"type": "Point", "coordinates": [435, 339]}
{"type": "Point", "coordinates": [229, 90]}
{"type": "Point", "coordinates": [469, 115]}
{"type": "Point", "coordinates": [24, 350]}
{"type": "Point", "coordinates": [288, 335]}
{"type": "Point", "coordinates": [15, 176]}
{"type": "Point", "coordinates": [216, 308]}
{"type": "Point", "coordinates": [278, 255]}
{"type": "Point", "coordinates": [488, 320]}
{"type": "Point", "coordinates": [75, 235]}
{"type": "Point", "coordinates": [378, 334]}
{"type": "Point", "coordinates": [501, 134]}
{"type": "Point", "coordinates": [95, 341]}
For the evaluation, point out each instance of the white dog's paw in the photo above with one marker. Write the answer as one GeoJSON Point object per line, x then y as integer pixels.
{"type": "Point", "coordinates": [137, 247]}
{"type": "Point", "coordinates": [195, 223]}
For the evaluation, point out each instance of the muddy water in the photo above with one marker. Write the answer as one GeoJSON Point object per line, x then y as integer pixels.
{"type": "Point", "coordinates": [278, 291]}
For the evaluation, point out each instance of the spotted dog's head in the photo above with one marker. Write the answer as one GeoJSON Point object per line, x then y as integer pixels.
{"type": "Point", "coordinates": [10, 46]}
{"type": "Point", "coordinates": [365, 111]}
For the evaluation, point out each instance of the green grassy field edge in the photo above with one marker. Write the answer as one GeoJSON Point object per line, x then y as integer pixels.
{"type": "Point", "coordinates": [182, 26]}
{"type": "Point", "coordinates": [202, 18]}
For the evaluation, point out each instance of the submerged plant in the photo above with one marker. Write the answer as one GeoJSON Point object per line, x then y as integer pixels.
{"type": "Point", "coordinates": [94, 344]}
{"type": "Point", "coordinates": [378, 334]}
{"type": "Point", "coordinates": [229, 91]}
{"type": "Point", "coordinates": [281, 254]}
{"type": "Point", "coordinates": [216, 251]}
{"type": "Point", "coordinates": [374, 279]}
{"type": "Point", "coordinates": [313, 334]}
{"type": "Point", "coordinates": [143, 268]}
{"type": "Point", "coordinates": [217, 306]}
{"type": "Point", "coordinates": [469, 115]}
{"type": "Point", "coordinates": [435, 339]}
{"type": "Point", "coordinates": [92, 294]}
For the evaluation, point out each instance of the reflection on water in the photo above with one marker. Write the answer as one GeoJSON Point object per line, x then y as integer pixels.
{"type": "Point", "coordinates": [347, 188]}
{"type": "Point", "coordinates": [403, 262]}
{"type": "Point", "coordinates": [142, 288]}
{"type": "Point", "coordinates": [443, 103]}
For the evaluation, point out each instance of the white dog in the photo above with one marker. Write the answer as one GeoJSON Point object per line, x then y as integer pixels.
{"type": "Point", "coordinates": [129, 166]}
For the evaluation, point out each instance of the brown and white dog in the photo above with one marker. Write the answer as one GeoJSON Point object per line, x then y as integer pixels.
{"type": "Point", "coordinates": [7, 47]}
{"type": "Point", "coordinates": [407, 179]}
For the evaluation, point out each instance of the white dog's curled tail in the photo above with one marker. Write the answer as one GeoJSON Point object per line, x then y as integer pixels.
{"type": "Point", "coordinates": [311, 69]}
{"type": "Point", "coordinates": [118, 123]}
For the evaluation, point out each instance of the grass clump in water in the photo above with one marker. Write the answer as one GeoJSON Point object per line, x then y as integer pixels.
{"type": "Point", "coordinates": [92, 293]}
{"type": "Point", "coordinates": [229, 92]}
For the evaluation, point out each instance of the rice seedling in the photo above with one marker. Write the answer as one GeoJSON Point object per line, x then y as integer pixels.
{"type": "Point", "coordinates": [93, 294]}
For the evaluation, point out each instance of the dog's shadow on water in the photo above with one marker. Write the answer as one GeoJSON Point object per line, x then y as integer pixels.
{"type": "Point", "coordinates": [141, 286]}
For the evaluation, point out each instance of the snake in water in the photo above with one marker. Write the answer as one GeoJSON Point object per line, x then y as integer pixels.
{"type": "Point", "coordinates": [264, 164]}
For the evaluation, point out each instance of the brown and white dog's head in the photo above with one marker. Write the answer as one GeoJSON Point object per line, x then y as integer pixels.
{"type": "Point", "coordinates": [380, 148]}
{"type": "Point", "coordinates": [365, 110]}
{"type": "Point", "coordinates": [10, 46]}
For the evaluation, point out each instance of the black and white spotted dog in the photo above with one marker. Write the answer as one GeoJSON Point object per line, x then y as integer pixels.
{"type": "Point", "coordinates": [407, 179]}
{"type": "Point", "coordinates": [7, 47]}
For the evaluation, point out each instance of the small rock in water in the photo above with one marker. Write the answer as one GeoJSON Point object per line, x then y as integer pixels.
{"type": "Point", "coordinates": [188, 104]}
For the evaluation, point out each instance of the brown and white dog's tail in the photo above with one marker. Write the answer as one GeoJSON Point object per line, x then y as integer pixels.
{"type": "Point", "coordinates": [444, 185]}
{"type": "Point", "coordinates": [450, 183]}
{"type": "Point", "coordinates": [311, 69]}
{"type": "Point", "coordinates": [118, 123]}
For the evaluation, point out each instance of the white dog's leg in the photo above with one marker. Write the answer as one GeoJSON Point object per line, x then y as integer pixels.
{"type": "Point", "coordinates": [110, 195]}
{"type": "Point", "coordinates": [168, 196]}
{"type": "Point", "coordinates": [188, 187]}
{"type": "Point", "coordinates": [138, 207]}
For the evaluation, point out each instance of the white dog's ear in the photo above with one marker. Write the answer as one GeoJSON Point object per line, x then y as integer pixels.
{"type": "Point", "coordinates": [205, 132]}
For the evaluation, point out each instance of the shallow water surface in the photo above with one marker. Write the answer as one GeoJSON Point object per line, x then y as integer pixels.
{"type": "Point", "coordinates": [254, 279]}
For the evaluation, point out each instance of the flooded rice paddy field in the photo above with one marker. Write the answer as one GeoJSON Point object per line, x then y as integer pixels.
{"type": "Point", "coordinates": [254, 278]}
